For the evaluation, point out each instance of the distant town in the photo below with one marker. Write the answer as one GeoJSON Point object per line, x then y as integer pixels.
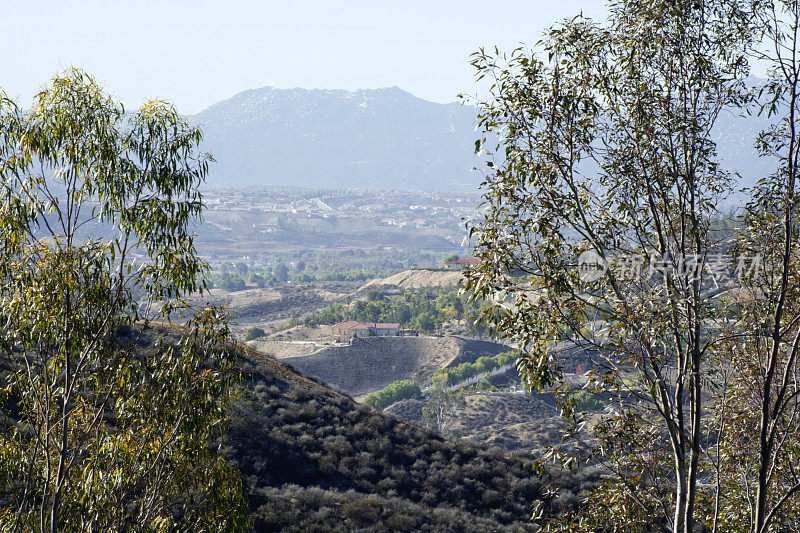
{"type": "Point", "coordinates": [390, 208]}
{"type": "Point", "coordinates": [255, 224]}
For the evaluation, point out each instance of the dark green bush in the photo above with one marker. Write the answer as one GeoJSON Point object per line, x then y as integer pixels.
{"type": "Point", "coordinates": [231, 282]}
{"type": "Point", "coordinates": [254, 333]}
{"type": "Point", "coordinates": [464, 371]}
{"type": "Point", "coordinates": [587, 401]}
{"type": "Point", "coordinates": [425, 309]}
{"type": "Point", "coordinates": [374, 295]}
{"type": "Point", "coordinates": [399, 390]}
{"type": "Point", "coordinates": [313, 460]}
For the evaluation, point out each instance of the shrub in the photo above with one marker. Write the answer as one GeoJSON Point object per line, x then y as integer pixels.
{"type": "Point", "coordinates": [231, 282]}
{"type": "Point", "coordinates": [330, 315]}
{"type": "Point", "coordinates": [465, 371]}
{"type": "Point", "coordinates": [258, 279]}
{"type": "Point", "coordinates": [403, 389]}
{"type": "Point", "coordinates": [254, 333]}
{"type": "Point", "coordinates": [424, 309]}
{"type": "Point", "coordinates": [374, 295]}
{"type": "Point", "coordinates": [377, 473]}
{"type": "Point", "coordinates": [587, 401]}
{"type": "Point", "coordinates": [364, 511]}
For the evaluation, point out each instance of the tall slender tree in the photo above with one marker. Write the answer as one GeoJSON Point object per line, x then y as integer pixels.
{"type": "Point", "coordinates": [760, 439]}
{"type": "Point", "coordinates": [101, 431]}
{"type": "Point", "coordinates": [606, 161]}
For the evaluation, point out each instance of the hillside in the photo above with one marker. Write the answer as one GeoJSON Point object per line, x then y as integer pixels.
{"type": "Point", "coordinates": [313, 459]}
{"type": "Point", "coordinates": [510, 421]}
{"type": "Point", "coordinates": [371, 363]}
{"type": "Point", "coordinates": [416, 279]}
{"type": "Point", "coordinates": [385, 138]}
{"type": "Point", "coordinates": [270, 304]}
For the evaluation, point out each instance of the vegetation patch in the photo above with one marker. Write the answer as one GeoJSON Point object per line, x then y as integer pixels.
{"type": "Point", "coordinates": [312, 459]}
{"type": "Point", "coordinates": [404, 389]}
{"type": "Point", "coordinates": [465, 371]}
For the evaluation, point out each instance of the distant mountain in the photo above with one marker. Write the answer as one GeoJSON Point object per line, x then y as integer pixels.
{"type": "Point", "coordinates": [383, 138]}
{"type": "Point", "coordinates": [736, 137]}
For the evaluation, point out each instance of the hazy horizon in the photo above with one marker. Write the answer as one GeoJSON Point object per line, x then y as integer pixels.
{"type": "Point", "coordinates": [196, 54]}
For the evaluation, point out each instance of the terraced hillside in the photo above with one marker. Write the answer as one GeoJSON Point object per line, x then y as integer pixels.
{"type": "Point", "coordinates": [314, 460]}
{"type": "Point", "coordinates": [372, 363]}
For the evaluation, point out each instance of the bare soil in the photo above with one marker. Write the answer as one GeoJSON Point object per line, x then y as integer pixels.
{"type": "Point", "coordinates": [263, 307]}
{"type": "Point", "coordinates": [318, 334]}
{"type": "Point", "coordinates": [372, 363]}
{"type": "Point", "coordinates": [416, 279]}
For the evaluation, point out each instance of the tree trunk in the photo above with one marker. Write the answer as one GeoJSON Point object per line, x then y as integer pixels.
{"type": "Point", "coordinates": [681, 493]}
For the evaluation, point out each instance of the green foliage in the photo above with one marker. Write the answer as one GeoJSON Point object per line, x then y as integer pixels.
{"type": "Point", "coordinates": [353, 275]}
{"type": "Point", "coordinates": [292, 322]}
{"type": "Point", "coordinates": [465, 371]}
{"type": "Point", "coordinates": [403, 389]}
{"type": "Point", "coordinates": [281, 272]}
{"type": "Point", "coordinates": [317, 461]}
{"type": "Point", "coordinates": [425, 310]}
{"type": "Point", "coordinates": [586, 401]}
{"type": "Point", "coordinates": [425, 321]}
{"type": "Point", "coordinates": [231, 282]}
{"type": "Point", "coordinates": [374, 295]}
{"type": "Point", "coordinates": [107, 430]}
{"type": "Point", "coordinates": [258, 279]}
{"type": "Point", "coordinates": [601, 153]}
{"type": "Point", "coordinates": [325, 265]}
{"type": "Point", "coordinates": [305, 277]}
{"type": "Point", "coordinates": [332, 314]}
{"type": "Point", "coordinates": [254, 333]}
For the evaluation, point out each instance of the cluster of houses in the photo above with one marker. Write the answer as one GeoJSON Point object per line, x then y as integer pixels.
{"type": "Point", "coordinates": [344, 331]}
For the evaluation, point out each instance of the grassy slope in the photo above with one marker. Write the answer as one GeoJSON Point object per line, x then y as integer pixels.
{"type": "Point", "coordinates": [504, 420]}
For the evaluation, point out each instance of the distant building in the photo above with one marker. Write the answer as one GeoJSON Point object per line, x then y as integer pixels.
{"type": "Point", "coordinates": [463, 262]}
{"type": "Point", "coordinates": [347, 330]}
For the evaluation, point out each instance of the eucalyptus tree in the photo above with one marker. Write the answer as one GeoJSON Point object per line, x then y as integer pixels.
{"type": "Point", "coordinates": [102, 428]}
{"type": "Point", "coordinates": [760, 435]}
{"type": "Point", "coordinates": [598, 208]}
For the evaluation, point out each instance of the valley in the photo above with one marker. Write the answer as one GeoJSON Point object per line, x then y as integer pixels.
{"type": "Point", "coordinates": [313, 459]}
{"type": "Point", "coordinates": [495, 411]}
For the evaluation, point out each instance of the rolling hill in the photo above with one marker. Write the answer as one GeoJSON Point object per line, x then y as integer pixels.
{"type": "Point", "coordinates": [416, 278]}
{"type": "Point", "coordinates": [314, 459]}
{"type": "Point", "coordinates": [372, 363]}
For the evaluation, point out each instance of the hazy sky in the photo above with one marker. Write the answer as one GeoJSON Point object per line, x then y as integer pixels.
{"type": "Point", "coordinates": [197, 52]}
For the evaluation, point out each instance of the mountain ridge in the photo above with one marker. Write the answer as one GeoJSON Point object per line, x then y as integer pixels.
{"type": "Point", "coordinates": [384, 138]}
